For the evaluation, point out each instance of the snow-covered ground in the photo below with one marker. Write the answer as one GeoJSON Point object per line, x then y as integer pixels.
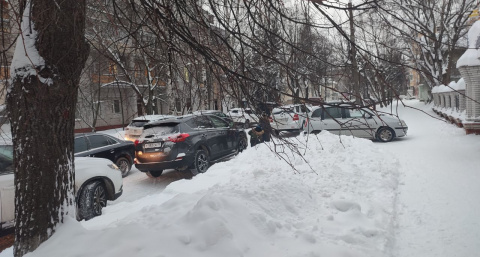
{"type": "Point", "coordinates": [415, 196]}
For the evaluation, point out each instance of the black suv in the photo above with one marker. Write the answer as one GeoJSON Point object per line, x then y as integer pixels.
{"type": "Point", "coordinates": [191, 141]}
{"type": "Point", "coordinates": [104, 146]}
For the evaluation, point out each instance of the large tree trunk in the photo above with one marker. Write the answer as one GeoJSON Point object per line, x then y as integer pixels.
{"type": "Point", "coordinates": [41, 103]}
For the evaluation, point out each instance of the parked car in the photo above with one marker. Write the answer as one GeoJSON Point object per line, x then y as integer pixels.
{"type": "Point", "coordinates": [245, 117]}
{"type": "Point", "coordinates": [96, 181]}
{"type": "Point", "coordinates": [289, 117]}
{"type": "Point", "coordinates": [135, 128]}
{"type": "Point", "coordinates": [187, 142]}
{"type": "Point", "coordinates": [346, 119]}
{"type": "Point", "coordinates": [105, 146]}
{"type": "Point", "coordinates": [216, 113]}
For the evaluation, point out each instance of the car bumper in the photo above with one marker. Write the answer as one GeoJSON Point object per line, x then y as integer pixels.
{"type": "Point", "coordinates": [163, 165]}
{"type": "Point", "coordinates": [401, 131]}
{"type": "Point", "coordinates": [118, 194]}
{"type": "Point", "coordinates": [286, 126]}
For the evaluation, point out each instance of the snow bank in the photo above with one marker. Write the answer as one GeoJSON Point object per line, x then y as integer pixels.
{"type": "Point", "coordinates": [339, 203]}
{"type": "Point", "coordinates": [452, 86]}
{"type": "Point", "coordinates": [472, 55]}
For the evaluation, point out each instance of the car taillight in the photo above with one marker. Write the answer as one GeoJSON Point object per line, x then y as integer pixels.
{"type": "Point", "coordinates": [179, 138]}
{"type": "Point", "coordinates": [137, 142]}
{"type": "Point", "coordinates": [295, 117]}
{"type": "Point", "coordinates": [270, 118]}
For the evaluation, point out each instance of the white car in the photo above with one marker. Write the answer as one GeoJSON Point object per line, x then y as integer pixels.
{"type": "Point", "coordinates": [135, 128]}
{"type": "Point", "coordinates": [96, 181]}
{"type": "Point", "coordinates": [243, 116]}
{"type": "Point", "coordinates": [346, 119]}
{"type": "Point", "coordinates": [289, 117]}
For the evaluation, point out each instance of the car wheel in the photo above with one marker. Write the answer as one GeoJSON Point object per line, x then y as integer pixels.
{"type": "Point", "coordinates": [92, 200]}
{"type": "Point", "coordinates": [124, 165]}
{"type": "Point", "coordinates": [154, 173]}
{"type": "Point", "coordinates": [200, 162]}
{"type": "Point", "coordinates": [385, 134]}
{"type": "Point", "coordinates": [242, 144]}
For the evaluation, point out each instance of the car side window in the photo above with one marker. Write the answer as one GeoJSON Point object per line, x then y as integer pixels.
{"type": "Point", "coordinates": [317, 113]}
{"type": "Point", "coordinates": [354, 113]}
{"type": "Point", "coordinates": [97, 141]}
{"type": "Point", "coordinates": [218, 123]}
{"type": "Point", "coordinates": [333, 113]}
{"type": "Point", "coordinates": [111, 140]}
{"type": "Point", "coordinates": [80, 145]}
{"type": "Point", "coordinates": [200, 122]}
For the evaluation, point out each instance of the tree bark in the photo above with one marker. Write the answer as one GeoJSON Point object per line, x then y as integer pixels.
{"type": "Point", "coordinates": [42, 113]}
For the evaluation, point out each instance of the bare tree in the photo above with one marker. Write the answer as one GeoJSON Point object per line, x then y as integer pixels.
{"type": "Point", "coordinates": [45, 72]}
{"type": "Point", "coordinates": [433, 30]}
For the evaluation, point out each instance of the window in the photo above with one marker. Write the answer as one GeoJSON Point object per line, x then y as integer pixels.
{"type": "Point", "coordinates": [80, 145]}
{"type": "Point", "coordinates": [333, 113]}
{"type": "Point", "coordinates": [97, 141]}
{"type": "Point", "coordinates": [218, 123]}
{"type": "Point", "coordinates": [318, 113]}
{"type": "Point", "coordinates": [354, 113]}
{"type": "Point", "coordinates": [200, 122]}
{"type": "Point", "coordinates": [304, 109]}
{"type": "Point", "coordinates": [116, 106]}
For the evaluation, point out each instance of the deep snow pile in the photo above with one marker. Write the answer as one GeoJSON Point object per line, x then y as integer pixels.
{"type": "Point", "coordinates": [254, 205]}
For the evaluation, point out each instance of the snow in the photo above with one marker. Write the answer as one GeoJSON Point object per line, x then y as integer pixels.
{"type": "Point", "coordinates": [415, 196]}
{"type": "Point", "coordinates": [472, 55]}
{"type": "Point", "coordinates": [452, 86]}
{"type": "Point", "coordinates": [26, 59]}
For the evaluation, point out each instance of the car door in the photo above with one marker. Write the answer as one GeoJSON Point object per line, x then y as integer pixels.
{"type": "Point", "coordinates": [332, 120]}
{"type": "Point", "coordinates": [101, 147]}
{"type": "Point", "coordinates": [204, 127]}
{"type": "Point", "coordinates": [359, 123]}
{"type": "Point", "coordinates": [315, 123]}
{"type": "Point", "coordinates": [225, 136]}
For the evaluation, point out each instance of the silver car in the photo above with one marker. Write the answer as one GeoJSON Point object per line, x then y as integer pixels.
{"type": "Point", "coordinates": [347, 119]}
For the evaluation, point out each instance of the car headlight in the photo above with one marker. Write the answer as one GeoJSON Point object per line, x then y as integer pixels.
{"type": "Point", "coordinates": [113, 166]}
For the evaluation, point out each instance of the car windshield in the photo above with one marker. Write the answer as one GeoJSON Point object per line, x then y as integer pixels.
{"type": "Point", "coordinates": [6, 159]}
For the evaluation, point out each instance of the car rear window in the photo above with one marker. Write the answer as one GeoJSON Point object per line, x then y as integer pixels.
{"type": "Point", "coordinates": [282, 110]}
{"type": "Point", "coordinates": [138, 123]}
{"type": "Point", "coordinates": [162, 129]}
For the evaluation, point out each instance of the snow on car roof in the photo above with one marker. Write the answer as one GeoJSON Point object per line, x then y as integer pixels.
{"type": "Point", "coordinates": [152, 117]}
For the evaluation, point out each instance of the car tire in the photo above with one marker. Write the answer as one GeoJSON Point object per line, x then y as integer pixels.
{"type": "Point", "coordinates": [124, 165]}
{"type": "Point", "coordinates": [242, 144]}
{"type": "Point", "coordinates": [154, 173]}
{"type": "Point", "coordinates": [92, 200]}
{"type": "Point", "coordinates": [385, 134]}
{"type": "Point", "coordinates": [200, 162]}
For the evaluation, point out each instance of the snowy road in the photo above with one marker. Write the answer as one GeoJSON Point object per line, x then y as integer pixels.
{"type": "Point", "coordinates": [438, 202]}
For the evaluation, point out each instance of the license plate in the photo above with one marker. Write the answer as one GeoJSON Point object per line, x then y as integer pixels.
{"type": "Point", "coordinates": [153, 145]}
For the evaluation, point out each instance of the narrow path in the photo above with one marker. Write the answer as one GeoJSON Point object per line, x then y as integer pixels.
{"type": "Point", "coordinates": [438, 210]}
